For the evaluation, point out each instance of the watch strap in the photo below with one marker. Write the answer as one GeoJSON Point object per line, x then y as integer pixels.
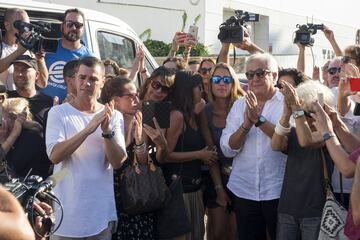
{"type": "Point", "coordinates": [108, 135]}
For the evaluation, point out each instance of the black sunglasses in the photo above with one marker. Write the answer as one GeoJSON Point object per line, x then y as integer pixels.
{"type": "Point", "coordinates": [334, 70]}
{"type": "Point", "coordinates": [204, 70]}
{"type": "Point", "coordinates": [258, 72]}
{"type": "Point", "coordinates": [156, 85]}
{"type": "Point", "coordinates": [70, 24]}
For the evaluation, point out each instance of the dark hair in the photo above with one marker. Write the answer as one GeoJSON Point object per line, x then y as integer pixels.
{"type": "Point", "coordinates": [113, 87]}
{"type": "Point", "coordinates": [297, 75]}
{"type": "Point", "coordinates": [182, 93]}
{"type": "Point", "coordinates": [91, 62]}
{"type": "Point", "coordinates": [10, 12]}
{"type": "Point", "coordinates": [354, 51]}
{"type": "Point", "coordinates": [163, 72]}
{"type": "Point", "coordinates": [206, 60]}
{"type": "Point", "coordinates": [73, 10]}
{"type": "Point", "coordinates": [180, 63]}
{"type": "Point", "coordinates": [70, 68]}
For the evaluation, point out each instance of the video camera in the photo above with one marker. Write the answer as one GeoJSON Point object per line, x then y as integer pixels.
{"type": "Point", "coordinates": [304, 33]}
{"type": "Point", "coordinates": [34, 40]}
{"type": "Point", "coordinates": [33, 189]}
{"type": "Point", "coordinates": [232, 30]}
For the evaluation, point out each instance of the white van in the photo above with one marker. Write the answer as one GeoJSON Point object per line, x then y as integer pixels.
{"type": "Point", "coordinates": [106, 36]}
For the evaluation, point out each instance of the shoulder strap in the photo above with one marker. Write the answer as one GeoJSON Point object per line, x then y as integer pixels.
{"type": "Point", "coordinates": [325, 171]}
{"type": "Point", "coordinates": [182, 147]}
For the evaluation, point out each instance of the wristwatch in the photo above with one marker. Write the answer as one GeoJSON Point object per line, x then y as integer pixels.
{"type": "Point", "coordinates": [108, 135]}
{"type": "Point", "coordinates": [297, 114]}
{"type": "Point", "coordinates": [261, 121]}
{"type": "Point", "coordinates": [328, 135]}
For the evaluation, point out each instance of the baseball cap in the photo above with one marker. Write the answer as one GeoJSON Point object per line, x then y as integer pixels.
{"type": "Point", "coordinates": [28, 60]}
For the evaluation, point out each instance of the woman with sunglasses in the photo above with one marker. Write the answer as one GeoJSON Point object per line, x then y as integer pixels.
{"type": "Point", "coordinates": [126, 100]}
{"type": "Point", "coordinates": [224, 90]}
{"type": "Point", "coordinates": [206, 65]}
{"type": "Point", "coordinates": [187, 149]}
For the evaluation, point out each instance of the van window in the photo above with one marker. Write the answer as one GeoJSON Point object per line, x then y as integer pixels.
{"type": "Point", "coordinates": [117, 48]}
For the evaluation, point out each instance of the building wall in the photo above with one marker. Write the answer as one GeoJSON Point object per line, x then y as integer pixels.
{"type": "Point", "coordinates": [274, 31]}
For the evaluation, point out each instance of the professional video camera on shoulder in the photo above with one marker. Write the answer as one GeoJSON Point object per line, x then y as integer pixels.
{"type": "Point", "coordinates": [304, 33]}
{"type": "Point", "coordinates": [30, 37]}
{"type": "Point", "coordinates": [232, 30]}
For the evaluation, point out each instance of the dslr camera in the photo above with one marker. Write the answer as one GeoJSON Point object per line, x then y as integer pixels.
{"type": "Point", "coordinates": [232, 30]}
{"type": "Point", "coordinates": [34, 39]}
{"type": "Point", "coordinates": [304, 33]}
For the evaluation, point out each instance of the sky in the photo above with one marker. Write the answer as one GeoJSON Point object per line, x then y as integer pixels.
{"type": "Point", "coordinates": [341, 12]}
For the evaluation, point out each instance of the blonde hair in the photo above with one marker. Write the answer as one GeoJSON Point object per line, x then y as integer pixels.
{"type": "Point", "coordinates": [15, 106]}
{"type": "Point", "coordinates": [308, 92]}
{"type": "Point", "coordinates": [236, 90]}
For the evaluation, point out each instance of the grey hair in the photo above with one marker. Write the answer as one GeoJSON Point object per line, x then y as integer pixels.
{"type": "Point", "coordinates": [265, 58]}
{"type": "Point", "coordinates": [308, 92]}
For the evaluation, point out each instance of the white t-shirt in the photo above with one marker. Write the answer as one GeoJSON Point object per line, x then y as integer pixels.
{"type": "Point", "coordinates": [6, 77]}
{"type": "Point", "coordinates": [87, 191]}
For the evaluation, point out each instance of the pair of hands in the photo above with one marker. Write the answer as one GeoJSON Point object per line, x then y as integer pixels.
{"type": "Point", "coordinates": [183, 39]}
{"type": "Point", "coordinates": [291, 99]}
{"type": "Point", "coordinates": [326, 119]}
{"type": "Point", "coordinates": [253, 110]}
{"type": "Point", "coordinates": [102, 118]}
{"type": "Point", "coordinates": [139, 63]}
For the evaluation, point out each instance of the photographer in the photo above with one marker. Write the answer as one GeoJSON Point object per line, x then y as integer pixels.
{"type": "Point", "coordinates": [14, 224]}
{"type": "Point", "coordinates": [11, 50]}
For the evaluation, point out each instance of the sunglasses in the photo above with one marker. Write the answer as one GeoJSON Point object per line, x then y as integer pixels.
{"type": "Point", "coordinates": [156, 85]}
{"type": "Point", "coordinates": [258, 72]}
{"type": "Point", "coordinates": [70, 24]}
{"type": "Point", "coordinates": [217, 79]}
{"type": "Point", "coordinates": [133, 96]}
{"type": "Point", "coordinates": [347, 59]}
{"type": "Point", "coordinates": [334, 70]}
{"type": "Point", "coordinates": [204, 70]}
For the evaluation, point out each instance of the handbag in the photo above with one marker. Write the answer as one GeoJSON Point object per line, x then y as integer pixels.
{"type": "Point", "coordinates": [172, 220]}
{"type": "Point", "coordinates": [142, 188]}
{"type": "Point", "coordinates": [334, 214]}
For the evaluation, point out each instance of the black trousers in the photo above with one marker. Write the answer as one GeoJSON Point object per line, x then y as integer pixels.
{"type": "Point", "coordinates": [254, 218]}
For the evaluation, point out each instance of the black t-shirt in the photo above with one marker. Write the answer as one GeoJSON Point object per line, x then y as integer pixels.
{"type": "Point", "coordinates": [303, 192]}
{"type": "Point", "coordinates": [39, 105]}
{"type": "Point", "coordinates": [28, 152]}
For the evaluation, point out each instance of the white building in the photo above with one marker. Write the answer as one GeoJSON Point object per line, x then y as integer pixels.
{"type": "Point", "coordinates": [274, 32]}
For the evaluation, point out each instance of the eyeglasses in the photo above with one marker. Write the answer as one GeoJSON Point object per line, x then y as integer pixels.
{"type": "Point", "coordinates": [217, 79]}
{"type": "Point", "coordinates": [70, 24]}
{"type": "Point", "coordinates": [334, 70]}
{"type": "Point", "coordinates": [204, 70]}
{"type": "Point", "coordinates": [133, 96]}
{"type": "Point", "coordinates": [258, 72]}
{"type": "Point", "coordinates": [347, 59]}
{"type": "Point", "coordinates": [156, 85]}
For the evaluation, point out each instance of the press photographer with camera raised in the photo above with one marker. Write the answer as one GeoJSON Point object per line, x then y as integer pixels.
{"type": "Point", "coordinates": [11, 50]}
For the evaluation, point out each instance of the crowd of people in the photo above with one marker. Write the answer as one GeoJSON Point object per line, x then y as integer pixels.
{"type": "Point", "coordinates": [254, 162]}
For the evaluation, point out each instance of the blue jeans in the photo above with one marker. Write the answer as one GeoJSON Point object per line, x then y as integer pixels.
{"type": "Point", "coordinates": [291, 228]}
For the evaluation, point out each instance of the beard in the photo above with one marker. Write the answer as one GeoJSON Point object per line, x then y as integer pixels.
{"type": "Point", "coordinates": [72, 36]}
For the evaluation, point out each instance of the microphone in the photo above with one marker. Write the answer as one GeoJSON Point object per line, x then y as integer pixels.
{"type": "Point", "coordinates": [48, 184]}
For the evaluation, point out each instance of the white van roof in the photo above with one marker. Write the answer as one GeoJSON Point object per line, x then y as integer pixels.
{"type": "Point", "coordinates": [51, 7]}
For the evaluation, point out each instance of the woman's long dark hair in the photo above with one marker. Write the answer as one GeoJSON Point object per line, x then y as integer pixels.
{"type": "Point", "coordinates": [182, 92]}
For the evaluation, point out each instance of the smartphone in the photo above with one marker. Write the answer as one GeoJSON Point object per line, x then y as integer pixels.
{"type": "Point", "coordinates": [159, 110]}
{"type": "Point", "coordinates": [321, 99]}
{"type": "Point", "coordinates": [193, 31]}
{"type": "Point", "coordinates": [355, 84]}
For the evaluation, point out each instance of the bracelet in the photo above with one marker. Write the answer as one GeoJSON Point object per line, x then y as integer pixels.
{"type": "Point", "coordinates": [244, 128]}
{"type": "Point", "coordinates": [218, 186]}
{"type": "Point", "coordinates": [140, 149]}
{"type": "Point", "coordinates": [281, 130]}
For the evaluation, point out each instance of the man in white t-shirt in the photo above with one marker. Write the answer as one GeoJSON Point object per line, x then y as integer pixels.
{"type": "Point", "coordinates": [11, 50]}
{"type": "Point", "coordinates": [87, 138]}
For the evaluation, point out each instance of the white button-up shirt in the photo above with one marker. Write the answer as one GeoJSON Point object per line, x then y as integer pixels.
{"type": "Point", "coordinates": [257, 171]}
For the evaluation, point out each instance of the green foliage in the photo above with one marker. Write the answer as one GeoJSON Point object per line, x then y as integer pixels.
{"type": "Point", "coordinates": [184, 20]}
{"type": "Point", "coordinates": [161, 49]}
{"type": "Point", "coordinates": [145, 35]}
{"type": "Point", "coordinates": [157, 48]}
{"type": "Point", "coordinates": [196, 19]}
